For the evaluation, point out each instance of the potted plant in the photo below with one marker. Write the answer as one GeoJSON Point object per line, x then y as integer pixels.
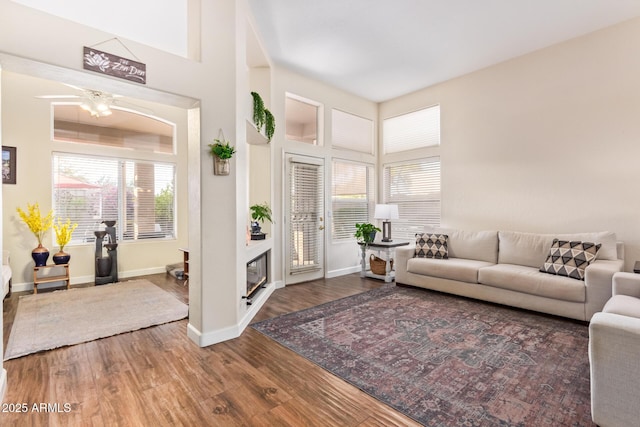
{"type": "Point", "coordinates": [259, 214]}
{"type": "Point", "coordinates": [365, 233]}
{"type": "Point", "coordinates": [263, 117]}
{"type": "Point", "coordinates": [64, 231]}
{"type": "Point", "coordinates": [38, 226]}
{"type": "Point", "coordinates": [221, 151]}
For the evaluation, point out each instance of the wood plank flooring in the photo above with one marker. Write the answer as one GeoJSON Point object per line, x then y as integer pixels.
{"type": "Point", "coordinates": [158, 377]}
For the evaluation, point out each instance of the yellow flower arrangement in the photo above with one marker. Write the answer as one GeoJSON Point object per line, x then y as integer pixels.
{"type": "Point", "coordinates": [34, 220]}
{"type": "Point", "coordinates": [64, 232]}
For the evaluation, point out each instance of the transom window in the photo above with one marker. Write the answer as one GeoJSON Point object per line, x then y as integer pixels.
{"type": "Point", "coordinates": [418, 129]}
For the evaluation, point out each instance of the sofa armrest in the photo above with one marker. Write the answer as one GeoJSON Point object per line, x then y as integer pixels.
{"type": "Point", "coordinates": [403, 255]}
{"type": "Point", "coordinates": [625, 283]}
{"type": "Point", "coordinates": [614, 345]}
{"type": "Point", "coordinates": [598, 279]}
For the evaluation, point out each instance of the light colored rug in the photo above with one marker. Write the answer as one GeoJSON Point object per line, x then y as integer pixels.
{"type": "Point", "coordinates": [51, 320]}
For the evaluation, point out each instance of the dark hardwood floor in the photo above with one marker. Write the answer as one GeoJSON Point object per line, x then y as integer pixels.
{"type": "Point", "coordinates": [158, 377]}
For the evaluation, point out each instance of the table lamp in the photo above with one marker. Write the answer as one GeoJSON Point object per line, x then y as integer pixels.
{"type": "Point", "coordinates": [386, 213]}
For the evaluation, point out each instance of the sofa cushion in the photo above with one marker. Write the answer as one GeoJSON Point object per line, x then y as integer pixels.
{"type": "Point", "coordinates": [623, 305]}
{"type": "Point", "coordinates": [475, 245]}
{"type": "Point", "coordinates": [463, 270]}
{"type": "Point", "coordinates": [531, 281]}
{"type": "Point", "coordinates": [570, 258]}
{"type": "Point", "coordinates": [531, 249]}
{"type": "Point", "coordinates": [430, 245]}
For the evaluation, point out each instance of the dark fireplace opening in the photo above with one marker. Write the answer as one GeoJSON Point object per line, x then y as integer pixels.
{"type": "Point", "coordinates": [257, 274]}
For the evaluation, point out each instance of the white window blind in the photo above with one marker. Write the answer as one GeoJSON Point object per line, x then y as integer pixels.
{"type": "Point", "coordinates": [351, 132]}
{"type": "Point", "coordinates": [306, 210]}
{"type": "Point", "coordinates": [138, 195]}
{"type": "Point", "coordinates": [415, 187]}
{"type": "Point", "coordinates": [418, 129]}
{"type": "Point", "coordinates": [352, 199]}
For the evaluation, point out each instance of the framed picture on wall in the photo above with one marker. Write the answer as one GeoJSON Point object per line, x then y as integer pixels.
{"type": "Point", "coordinates": [8, 165]}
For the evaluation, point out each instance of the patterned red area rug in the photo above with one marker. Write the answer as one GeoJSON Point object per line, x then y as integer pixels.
{"type": "Point", "coordinates": [448, 361]}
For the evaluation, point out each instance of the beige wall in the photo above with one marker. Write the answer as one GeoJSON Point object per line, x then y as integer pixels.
{"type": "Point", "coordinates": [341, 257]}
{"type": "Point", "coordinates": [547, 142]}
{"type": "Point", "coordinates": [27, 126]}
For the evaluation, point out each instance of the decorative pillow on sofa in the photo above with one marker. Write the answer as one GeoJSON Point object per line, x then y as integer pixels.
{"type": "Point", "coordinates": [431, 246]}
{"type": "Point", "coordinates": [570, 258]}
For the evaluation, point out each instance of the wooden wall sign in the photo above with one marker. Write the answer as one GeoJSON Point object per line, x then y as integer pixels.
{"type": "Point", "coordinates": [113, 65]}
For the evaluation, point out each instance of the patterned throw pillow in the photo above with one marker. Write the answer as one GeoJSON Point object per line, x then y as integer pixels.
{"type": "Point", "coordinates": [570, 258]}
{"type": "Point", "coordinates": [431, 246]}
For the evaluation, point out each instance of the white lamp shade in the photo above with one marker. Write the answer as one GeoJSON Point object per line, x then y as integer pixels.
{"type": "Point", "coordinates": [386, 212]}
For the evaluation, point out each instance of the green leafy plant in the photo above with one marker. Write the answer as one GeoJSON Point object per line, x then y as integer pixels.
{"type": "Point", "coordinates": [365, 232]}
{"type": "Point", "coordinates": [261, 212]}
{"type": "Point", "coordinates": [258, 110]}
{"type": "Point", "coordinates": [270, 124]}
{"type": "Point", "coordinates": [222, 149]}
{"type": "Point", "coordinates": [263, 117]}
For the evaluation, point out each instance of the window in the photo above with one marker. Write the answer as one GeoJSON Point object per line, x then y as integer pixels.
{"type": "Point", "coordinates": [138, 195]}
{"type": "Point", "coordinates": [351, 132]}
{"type": "Point", "coordinates": [131, 180]}
{"type": "Point", "coordinates": [352, 198]}
{"type": "Point", "coordinates": [418, 129]}
{"type": "Point", "coordinates": [415, 187]}
{"type": "Point", "coordinates": [301, 120]}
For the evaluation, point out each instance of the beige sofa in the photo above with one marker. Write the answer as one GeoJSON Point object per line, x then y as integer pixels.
{"type": "Point", "coordinates": [503, 267]}
{"type": "Point", "coordinates": [614, 345]}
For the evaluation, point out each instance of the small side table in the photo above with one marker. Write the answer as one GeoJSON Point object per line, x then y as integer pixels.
{"type": "Point", "coordinates": [636, 267]}
{"type": "Point", "coordinates": [185, 258]}
{"type": "Point", "coordinates": [49, 279]}
{"type": "Point", "coordinates": [380, 246]}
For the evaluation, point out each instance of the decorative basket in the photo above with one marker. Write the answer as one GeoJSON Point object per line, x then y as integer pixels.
{"type": "Point", "coordinates": [379, 265]}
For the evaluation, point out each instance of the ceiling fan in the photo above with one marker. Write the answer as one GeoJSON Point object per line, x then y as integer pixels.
{"type": "Point", "coordinates": [96, 102]}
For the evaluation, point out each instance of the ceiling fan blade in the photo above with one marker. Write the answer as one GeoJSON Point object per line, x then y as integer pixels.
{"type": "Point", "coordinates": [58, 97]}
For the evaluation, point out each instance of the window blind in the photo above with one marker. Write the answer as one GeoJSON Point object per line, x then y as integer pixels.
{"type": "Point", "coordinates": [305, 211]}
{"type": "Point", "coordinates": [351, 132]}
{"type": "Point", "coordinates": [352, 198]}
{"type": "Point", "coordinates": [415, 187]}
{"type": "Point", "coordinates": [417, 129]}
{"type": "Point", "coordinates": [138, 195]}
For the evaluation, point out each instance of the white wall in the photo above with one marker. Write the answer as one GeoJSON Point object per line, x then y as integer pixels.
{"type": "Point", "coordinates": [340, 257]}
{"type": "Point", "coordinates": [547, 142]}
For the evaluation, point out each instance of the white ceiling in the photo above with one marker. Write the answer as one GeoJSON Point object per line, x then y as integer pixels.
{"type": "Point", "coordinates": [381, 49]}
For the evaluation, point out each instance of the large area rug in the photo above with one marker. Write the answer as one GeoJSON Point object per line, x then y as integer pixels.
{"type": "Point", "coordinates": [448, 361]}
{"type": "Point", "coordinates": [51, 320]}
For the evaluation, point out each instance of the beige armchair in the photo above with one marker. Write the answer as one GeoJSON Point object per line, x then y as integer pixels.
{"type": "Point", "coordinates": [614, 355]}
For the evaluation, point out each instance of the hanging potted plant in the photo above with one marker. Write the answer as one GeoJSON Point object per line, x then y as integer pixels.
{"type": "Point", "coordinates": [262, 117]}
{"type": "Point", "coordinates": [64, 231]}
{"type": "Point", "coordinates": [38, 226]}
{"type": "Point", "coordinates": [221, 151]}
{"type": "Point", "coordinates": [259, 214]}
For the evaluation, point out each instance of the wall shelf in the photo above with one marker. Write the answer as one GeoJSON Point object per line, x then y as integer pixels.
{"type": "Point", "coordinates": [253, 136]}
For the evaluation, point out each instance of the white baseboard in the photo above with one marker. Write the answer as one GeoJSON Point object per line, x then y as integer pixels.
{"type": "Point", "coordinates": [28, 286]}
{"type": "Point", "coordinates": [219, 335]}
{"type": "Point", "coordinates": [343, 272]}
{"type": "Point", "coordinates": [3, 384]}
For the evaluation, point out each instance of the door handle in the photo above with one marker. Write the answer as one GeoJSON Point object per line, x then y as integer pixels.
{"type": "Point", "coordinates": [321, 227]}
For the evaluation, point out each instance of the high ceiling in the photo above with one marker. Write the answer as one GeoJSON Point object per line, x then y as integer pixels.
{"type": "Point", "coordinates": [381, 49]}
